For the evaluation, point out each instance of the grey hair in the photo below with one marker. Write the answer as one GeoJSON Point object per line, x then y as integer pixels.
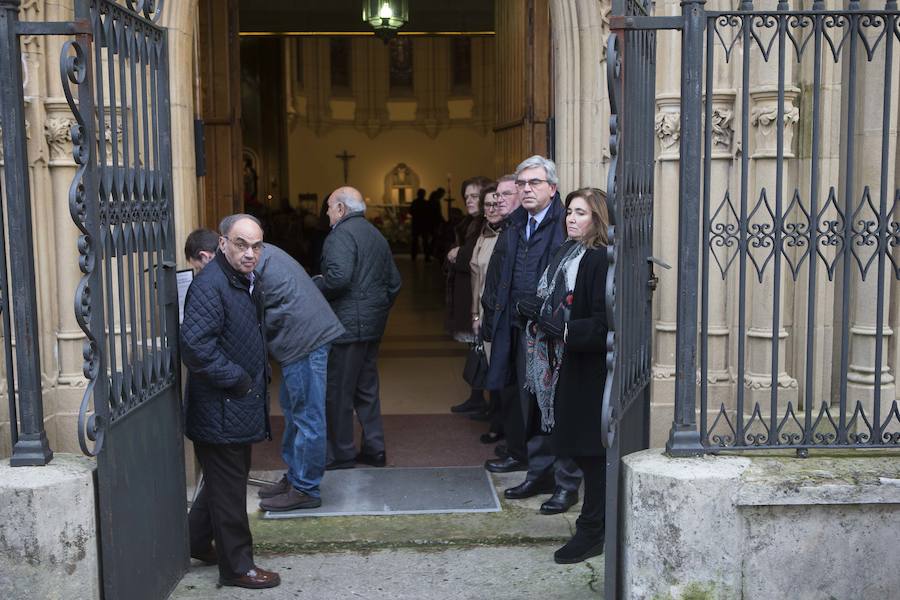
{"type": "Point", "coordinates": [228, 222]}
{"type": "Point", "coordinates": [539, 161]}
{"type": "Point", "coordinates": [353, 203]}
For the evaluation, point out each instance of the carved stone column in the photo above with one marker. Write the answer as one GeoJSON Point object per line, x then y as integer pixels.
{"type": "Point", "coordinates": [862, 312]}
{"type": "Point", "coordinates": [370, 75]}
{"type": "Point", "coordinates": [431, 82]}
{"type": "Point", "coordinates": [761, 280]}
{"type": "Point", "coordinates": [723, 220]}
{"type": "Point", "coordinates": [665, 225]}
{"type": "Point", "coordinates": [580, 33]}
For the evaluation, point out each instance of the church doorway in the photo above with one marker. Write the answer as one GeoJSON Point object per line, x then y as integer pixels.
{"type": "Point", "coordinates": [299, 98]}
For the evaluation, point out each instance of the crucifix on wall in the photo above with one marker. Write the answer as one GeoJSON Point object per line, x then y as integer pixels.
{"type": "Point", "coordinates": [343, 156]}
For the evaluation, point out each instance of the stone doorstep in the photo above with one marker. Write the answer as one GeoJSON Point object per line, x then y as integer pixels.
{"type": "Point", "coordinates": [518, 523]}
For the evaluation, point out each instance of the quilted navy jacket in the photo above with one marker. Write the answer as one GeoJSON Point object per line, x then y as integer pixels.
{"type": "Point", "coordinates": [224, 349]}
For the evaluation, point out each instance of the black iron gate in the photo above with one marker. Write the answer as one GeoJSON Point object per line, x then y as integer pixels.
{"type": "Point", "coordinates": [126, 302]}
{"type": "Point", "coordinates": [631, 73]}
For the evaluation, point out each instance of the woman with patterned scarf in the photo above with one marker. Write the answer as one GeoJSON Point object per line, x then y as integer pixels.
{"type": "Point", "coordinates": [566, 360]}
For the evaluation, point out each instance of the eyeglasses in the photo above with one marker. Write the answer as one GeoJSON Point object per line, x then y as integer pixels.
{"type": "Point", "coordinates": [243, 246]}
{"type": "Point", "coordinates": [491, 205]}
{"type": "Point", "coordinates": [503, 196]}
{"type": "Point", "coordinates": [532, 183]}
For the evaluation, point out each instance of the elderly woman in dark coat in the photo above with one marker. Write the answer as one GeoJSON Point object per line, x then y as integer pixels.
{"type": "Point", "coordinates": [566, 363]}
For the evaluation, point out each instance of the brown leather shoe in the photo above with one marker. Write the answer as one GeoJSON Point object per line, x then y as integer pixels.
{"type": "Point", "coordinates": [254, 579]}
{"type": "Point", "coordinates": [207, 557]}
{"type": "Point", "coordinates": [273, 489]}
{"type": "Point", "coordinates": [292, 499]}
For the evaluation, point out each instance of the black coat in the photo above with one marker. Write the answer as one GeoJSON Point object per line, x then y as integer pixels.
{"type": "Point", "coordinates": [359, 278]}
{"type": "Point", "coordinates": [579, 393]}
{"type": "Point", "coordinates": [223, 346]}
{"type": "Point", "coordinates": [497, 302]}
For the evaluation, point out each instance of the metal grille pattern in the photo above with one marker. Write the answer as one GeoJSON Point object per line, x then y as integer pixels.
{"type": "Point", "coordinates": [833, 236]}
{"type": "Point", "coordinates": [123, 208]}
{"type": "Point", "coordinates": [631, 76]}
{"type": "Point", "coordinates": [630, 202]}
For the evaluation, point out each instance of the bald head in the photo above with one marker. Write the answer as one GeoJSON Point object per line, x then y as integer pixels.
{"type": "Point", "coordinates": [241, 242]}
{"type": "Point", "coordinates": [344, 201]}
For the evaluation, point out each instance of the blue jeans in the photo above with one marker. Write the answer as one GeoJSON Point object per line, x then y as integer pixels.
{"type": "Point", "coordinates": [303, 403]}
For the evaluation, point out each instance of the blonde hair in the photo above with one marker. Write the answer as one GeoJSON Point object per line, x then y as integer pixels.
{"type": "Point", "coordinates": [596, 200]}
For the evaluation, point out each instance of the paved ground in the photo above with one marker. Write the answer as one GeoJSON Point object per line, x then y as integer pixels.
{"type": "Point", "coordinates": [490, 556]}
{"type": "Point", "coordinates": [471, 573]}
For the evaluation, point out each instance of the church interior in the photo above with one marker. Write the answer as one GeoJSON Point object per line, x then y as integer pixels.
{"type": "Point", "coordinates": [297, 98]}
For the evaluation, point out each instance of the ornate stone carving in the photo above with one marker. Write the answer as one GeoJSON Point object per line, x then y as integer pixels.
{"type": "Point", "coordinates": [764, 117]}
{"type": "Point", "coordinates": [668, 128]}
{"type": "Point", "coordinates": [57, 130]}
{"type": "Point", "coordinates": [722, 131]}
{"type": "Point", "coordinates": [31, 10]}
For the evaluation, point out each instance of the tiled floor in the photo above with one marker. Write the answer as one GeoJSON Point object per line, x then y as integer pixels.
{"type": "Point", "coordinates": [420, 368]}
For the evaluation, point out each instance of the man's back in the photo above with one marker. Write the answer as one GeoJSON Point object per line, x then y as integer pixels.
{"type": "Point", "coordinates": [298, 318]}
{"type": "Point", "coordinates": [359, 278]}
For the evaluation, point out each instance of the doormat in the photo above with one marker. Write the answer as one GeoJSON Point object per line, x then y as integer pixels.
{"type": "Point", "coordinates": [401, 491]}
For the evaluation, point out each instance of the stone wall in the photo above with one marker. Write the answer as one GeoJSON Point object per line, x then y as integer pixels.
{"type": "Point", "coordinates": [723, 527]}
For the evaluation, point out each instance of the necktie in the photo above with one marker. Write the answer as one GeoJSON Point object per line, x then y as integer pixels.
{"type": "Point", "coordinates": [532, 225]}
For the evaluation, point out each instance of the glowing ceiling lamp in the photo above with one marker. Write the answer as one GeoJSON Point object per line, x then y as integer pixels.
{"type": "Point", "coordinates": [386, 16]}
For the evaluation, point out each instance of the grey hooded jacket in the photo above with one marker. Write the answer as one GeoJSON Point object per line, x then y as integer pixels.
{"type": "Point", "coordinates": [298, 318]}
{"type": "Point", "coordinates": [359, 278]}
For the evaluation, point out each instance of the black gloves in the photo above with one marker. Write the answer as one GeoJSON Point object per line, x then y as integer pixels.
{"type": "Point", "coordinates": [553, 324]}
{"type": "Point", "coordinates": [529, 308]}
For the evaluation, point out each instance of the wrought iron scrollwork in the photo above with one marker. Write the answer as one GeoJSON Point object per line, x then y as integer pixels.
{"type": "Point", "coordinates": [74, 67]}
{"type": "Point", "coordinates": [613, 76]}
{"type": "Point", "coordinates": [149, 9]}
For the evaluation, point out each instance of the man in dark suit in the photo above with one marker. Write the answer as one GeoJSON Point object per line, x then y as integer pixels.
{"type": "Point", "coordinates": [522, 253]}
{"type": "Point", "coordinates": [224, 349]}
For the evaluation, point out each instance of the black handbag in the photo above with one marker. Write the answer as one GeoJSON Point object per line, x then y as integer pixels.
{"type": "Point", "coordinates": [475, 370]}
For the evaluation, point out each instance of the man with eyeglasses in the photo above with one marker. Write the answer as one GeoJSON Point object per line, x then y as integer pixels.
{"type": "Point", "coordinates": [522, 253]}
{"type": "Point", "coordinates": [224, 349]}
{"type": "Point", "coordinates": [361, 281]}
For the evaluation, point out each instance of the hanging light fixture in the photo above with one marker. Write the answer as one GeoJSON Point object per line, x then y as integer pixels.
{"type": "Point", "coordinates": [386, 16]}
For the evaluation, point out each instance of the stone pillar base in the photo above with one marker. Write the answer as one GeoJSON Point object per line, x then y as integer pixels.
{"type": "Point", "coordinates": [754, 526]}
{"type": "Point", "coordinates": [48, 530]}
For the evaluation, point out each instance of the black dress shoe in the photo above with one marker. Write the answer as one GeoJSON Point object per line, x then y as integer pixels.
{"type": "Point", "coordinates": [561, 501]}
{"type": "Point", "coordinates": [491, 437]}
{"type": "Point", "coordinates": [340, 464]}
{"type": "Point", "coordinates": [529, 488]}
{"type": "Point", "coordinates": [505, 465]}
{"type": "Point", "coordinates": [579, 548]}
{"type": "Point", "coordinates": [373, 460]}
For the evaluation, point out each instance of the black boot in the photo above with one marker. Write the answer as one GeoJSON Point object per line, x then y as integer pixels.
{"type": "Point", "coordinates": [581, 547]}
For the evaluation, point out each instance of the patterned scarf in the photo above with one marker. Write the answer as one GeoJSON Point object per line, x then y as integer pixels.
{"type": "Point", "coordinates": [544, 353]}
